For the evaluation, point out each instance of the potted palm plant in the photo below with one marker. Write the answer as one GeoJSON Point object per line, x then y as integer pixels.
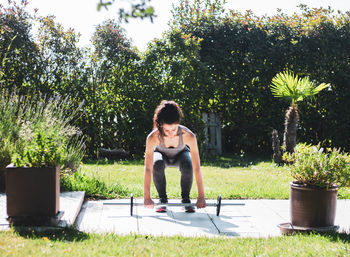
{"type": "Point", "coordinates": [317, 175]}
{"type": "Point", "coordinates": [289, 86]}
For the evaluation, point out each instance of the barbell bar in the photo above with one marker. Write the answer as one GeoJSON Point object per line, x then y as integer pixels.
{"type": "Point", "coordinates": [218, 204]}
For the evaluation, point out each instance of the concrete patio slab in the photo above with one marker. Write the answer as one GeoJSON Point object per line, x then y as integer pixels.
{"type": "Point", "coordinates": [257, 218]}
{"type": "Point", "coordinates": [193, 224]}
{"type": "Point", "coordinates": [4, 225]}
{"type": "Point", "coordinates": [342, 217]}
{"type": "Point", "coordinates": [96, 217]}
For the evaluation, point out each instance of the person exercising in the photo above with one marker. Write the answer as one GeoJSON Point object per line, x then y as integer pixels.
{"type": "Point", "coordinates": [171, 145]}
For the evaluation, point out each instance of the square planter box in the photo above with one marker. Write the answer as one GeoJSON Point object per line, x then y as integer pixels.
{"type": "Point", "coordinates": [32, 192]}
{"type": "Point", "coordinates": [2, 180]}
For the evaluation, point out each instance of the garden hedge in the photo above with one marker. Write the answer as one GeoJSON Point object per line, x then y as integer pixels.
{"type": "Point", "coordinates": [207, 61]}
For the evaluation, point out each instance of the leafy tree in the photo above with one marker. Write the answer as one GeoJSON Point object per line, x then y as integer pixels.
{"type": "Point", "coordinates": [189, 16]}
{"type": "Point", "coordinates": [243, 52]}
{"type": "Point", "coordinates": [227, 51]}
{"type": "Point", "coordinates": [60, 59]}
{"type": "Point", "coordinates": [139, 9]}
{"type": "Point", "coordinates": [174, 71]}
{"type": "Point", "coordinates": [291, 87]}
{"type": "Point", "coordinates": [18, 53]}
{"type": "Point", "coordinates": [108, 77]}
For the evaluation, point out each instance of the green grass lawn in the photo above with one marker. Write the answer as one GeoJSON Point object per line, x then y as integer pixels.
{"type": "Point", "coordinates": [263, 180]}
{"type": "Point", "coordinates": [230, 177]}
{"type": "Point", "coordinates": [73, 243]}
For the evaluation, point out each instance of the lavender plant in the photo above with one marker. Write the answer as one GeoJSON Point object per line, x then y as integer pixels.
{"type": "Point", "coordinates": [38, 132]}
{"type": "Point", "coordinates": [11, 106]}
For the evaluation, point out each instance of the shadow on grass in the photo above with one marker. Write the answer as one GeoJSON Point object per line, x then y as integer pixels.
{"type": "Point", "coordinates": [336, 237]}
{"type": "Point", "coordinates": [105, 161]}
{"type": "Point", "coordinates": [54, 234]}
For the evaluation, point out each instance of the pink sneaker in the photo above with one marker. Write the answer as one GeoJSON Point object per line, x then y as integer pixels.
{"type": "Point", "coordinates": [189, 209]}
{"type": "Point", "coordinates": [161, 209]}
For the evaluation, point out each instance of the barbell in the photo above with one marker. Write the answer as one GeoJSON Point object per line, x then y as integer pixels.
{"type": "Point", "coordinates": [218, 204]}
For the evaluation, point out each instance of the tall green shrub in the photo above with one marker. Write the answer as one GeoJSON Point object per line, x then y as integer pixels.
{"type": "Point", "coordinates": [111, 91]}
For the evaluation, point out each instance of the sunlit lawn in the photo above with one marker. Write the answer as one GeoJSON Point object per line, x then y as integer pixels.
{"type": "Point", "coordinates": [256, 179]}
{"type": "Point", "coordinates": [74, 243]}
{"type": "Point", "coordinates": [263, 180]}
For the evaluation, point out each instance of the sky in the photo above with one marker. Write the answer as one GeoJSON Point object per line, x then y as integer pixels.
{"type": "Point", "coordinates": [82, 15]}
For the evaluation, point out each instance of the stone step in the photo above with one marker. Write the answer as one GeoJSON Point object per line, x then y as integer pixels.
{"type": "Point", "coordinates": [70, 206]}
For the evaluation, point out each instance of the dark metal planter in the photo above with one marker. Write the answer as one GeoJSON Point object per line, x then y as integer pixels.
{"type": "Point", "coordinates": [32, 192]}
{"type": "Point", "coordinates": [312, 207]}
{"type": "Point", "coordinates": [2, 180]}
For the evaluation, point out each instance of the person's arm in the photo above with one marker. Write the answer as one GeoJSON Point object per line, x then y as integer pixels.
{"type": "Point", "coordinates": [192, 143]}
{"type": "Point", "coordinates": [148, 202]}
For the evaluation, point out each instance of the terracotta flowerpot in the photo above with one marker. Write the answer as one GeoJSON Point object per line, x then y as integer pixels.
{"type": "Point", "coordinates": [32, 192]}
{"type": "Point", "coordinates": [312, 207]}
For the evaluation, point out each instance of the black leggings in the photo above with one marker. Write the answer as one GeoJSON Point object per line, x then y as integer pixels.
{"type": "Point", "coordinates": [183, 162]}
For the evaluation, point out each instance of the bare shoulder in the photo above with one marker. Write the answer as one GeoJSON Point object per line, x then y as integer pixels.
{"type": "Point", "coordinates": [152, 141]}
{"type": "Point", "coordinates": [188, 135]}
{"type": "Point", "coordinates": [153, 137]}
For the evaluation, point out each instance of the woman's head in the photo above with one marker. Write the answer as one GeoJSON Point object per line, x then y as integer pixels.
{"type": "Point", "coordinates": [167, 112]}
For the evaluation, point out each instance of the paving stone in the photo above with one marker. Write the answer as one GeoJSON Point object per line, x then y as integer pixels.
{"type": "Point", "coordinates": [160, 224]}
{"type": "Point", "coordinates": [117, 219]}
{"type": "Point", "coordinates": [90, 217]}
{"type": "Point", "coordinates": [280, 207]}
{"type": "Point", "coordinates": [4, 225]}
{"type": "Point", "coordinates": [264, 218]}
{"type": "Point", "coordinates": [194, 224]}
{"type": "Point", "coordinates": [175, 222]}
{"type": "Point", "coordinates": [342, 215]}
{"type": "Point", "coordinates": [233, 221]}
{"type": "Point", "coordinates": [97, 217]}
